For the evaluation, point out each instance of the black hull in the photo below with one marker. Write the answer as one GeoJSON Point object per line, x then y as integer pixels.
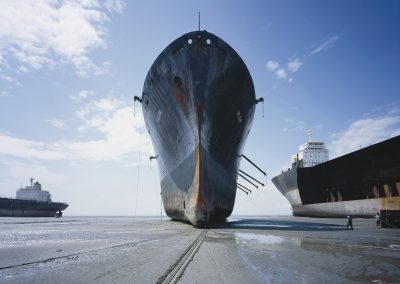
{"type": "Point", "coordinates": [28, 208]}
{"type": "Point", "coordinates": [198, 103]}
{"type": "Point", "coordinates": [360, 183]}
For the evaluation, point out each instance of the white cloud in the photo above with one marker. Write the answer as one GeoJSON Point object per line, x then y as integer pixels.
{"type": "Point", "coordinates": [85, 93]}
{"type": "Point", "coordinates": [6, 78]}
{"type": "Point", "coordinates": [10, 79]}
{"type": "Point", "coordinates": [115, 5]}
{"type": "Point", "coordinates": [300, 124]}
{"type": "Point", "coordinates": [394, 110]}
{"type": "Point", "coordinates": [18, 171]}
{"type": "Point", "coordinates": [40, 33]}
{"type": "Point", "coordinates": [294, 65]}
{"type": "Point", "coordinates": [122, 135]}
{"type": "Point", "coordinates": [364, 132]}
{"type": "Point", "coordinates": [272, 65]}
{"type": "Point", "coordinates": [96, 113]}
{"type": "Point", "coordinates": [327, 44]}
{"type": "Point", "coordinates": [22, 148]}
{"type": "Point", "coordinates": [294, 125]}
{"type": "Point", "coordinates": [22, 69]}
{"type": "Point", "coordinates": [106, 104]}
{"type": "Point", "coordinates": [57, 123]}
{"type": "Point", "coordinates": [281, 73]}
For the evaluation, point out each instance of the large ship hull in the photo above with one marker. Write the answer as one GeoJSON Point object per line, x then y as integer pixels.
{"type": "Point", "coordinates": [198, 102]}
{"type": "Point", "coordinates": [10, 207]}
{"type": "Point", "coordinates": [359, 184]}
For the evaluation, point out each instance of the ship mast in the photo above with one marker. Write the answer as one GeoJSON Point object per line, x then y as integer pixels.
{"type": "Point", "coordinates": [309, 132]}
{"type": "Point", "coordinates": [199, 21]}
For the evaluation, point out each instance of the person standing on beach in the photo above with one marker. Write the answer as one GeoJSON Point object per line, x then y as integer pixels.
{"type": "Point", "coordinates": [349, 222]}
{"type": "Point", "coordinates": [378, 220]}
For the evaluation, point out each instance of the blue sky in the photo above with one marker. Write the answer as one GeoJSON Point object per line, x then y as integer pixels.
{"type": "Point", "coordinates": [69, 70]}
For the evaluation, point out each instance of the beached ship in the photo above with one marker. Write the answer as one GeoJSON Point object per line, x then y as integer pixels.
{"type": "Point", "coordinates": [198, 102]}
{"type": "Point", "coordinates": [360, 183]}
{"type": "Point", "coordinates": [31, 201]}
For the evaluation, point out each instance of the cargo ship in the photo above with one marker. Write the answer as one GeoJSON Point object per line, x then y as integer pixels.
{"type": "Point", "coordinates": [31, 201]}
{"type": "Point", "coordinates": [359, 184]}
{"type": "Point", "coordinates": [198, 103]}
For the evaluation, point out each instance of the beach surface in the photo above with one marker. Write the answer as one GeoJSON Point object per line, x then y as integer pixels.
{"type": "Point", "coordinates": [242, 250]}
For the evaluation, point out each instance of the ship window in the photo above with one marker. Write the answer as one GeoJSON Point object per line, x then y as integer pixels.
{"type": "Point", "coordinates": [208, 41]}
{"type": "Point", "coordinates": [190, 41]}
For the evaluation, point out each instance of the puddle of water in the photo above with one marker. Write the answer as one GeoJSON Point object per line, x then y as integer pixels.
{"type": "Point", "coordinates": [247, 238]}
{"type": "Point", "coordinates": [263, 225]}
{"type": "Point", "coordinates": [395, 247]}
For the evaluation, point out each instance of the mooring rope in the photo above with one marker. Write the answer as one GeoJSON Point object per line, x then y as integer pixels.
{"type": "Point", "coordinates": [138, 171]}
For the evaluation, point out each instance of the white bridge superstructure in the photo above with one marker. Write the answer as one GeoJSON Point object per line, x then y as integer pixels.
{"type": "Point", "coordinates": [33, 192]}
{"type": "Point", "coordinates": [310, 154]}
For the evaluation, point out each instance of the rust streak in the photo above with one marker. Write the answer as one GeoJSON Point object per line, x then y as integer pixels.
{"type": "Point", "coordinates": [180, 94]}
{"type": "Point", "coordinates": [198, 197]}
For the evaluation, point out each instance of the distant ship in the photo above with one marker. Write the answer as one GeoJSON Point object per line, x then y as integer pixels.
{"type": "Point", "coordinates": [31, 201]}
{"type": "Point", "coordinates": [359, 184]}
{"type": "Point", "coordinates": [198, 102]}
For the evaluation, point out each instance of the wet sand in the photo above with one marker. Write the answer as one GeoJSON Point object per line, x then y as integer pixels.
{"type": "Point", "coordinates": [243, 250]}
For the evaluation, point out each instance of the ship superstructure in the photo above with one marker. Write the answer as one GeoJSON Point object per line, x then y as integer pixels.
{"type": "Point", "coordinates": [33, 192]}
{"type": "Point", "coordinates": [310, 154]}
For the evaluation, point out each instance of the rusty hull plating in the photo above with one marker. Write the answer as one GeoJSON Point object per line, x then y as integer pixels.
{"type": "Point", "coordinates": [198, 102]}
